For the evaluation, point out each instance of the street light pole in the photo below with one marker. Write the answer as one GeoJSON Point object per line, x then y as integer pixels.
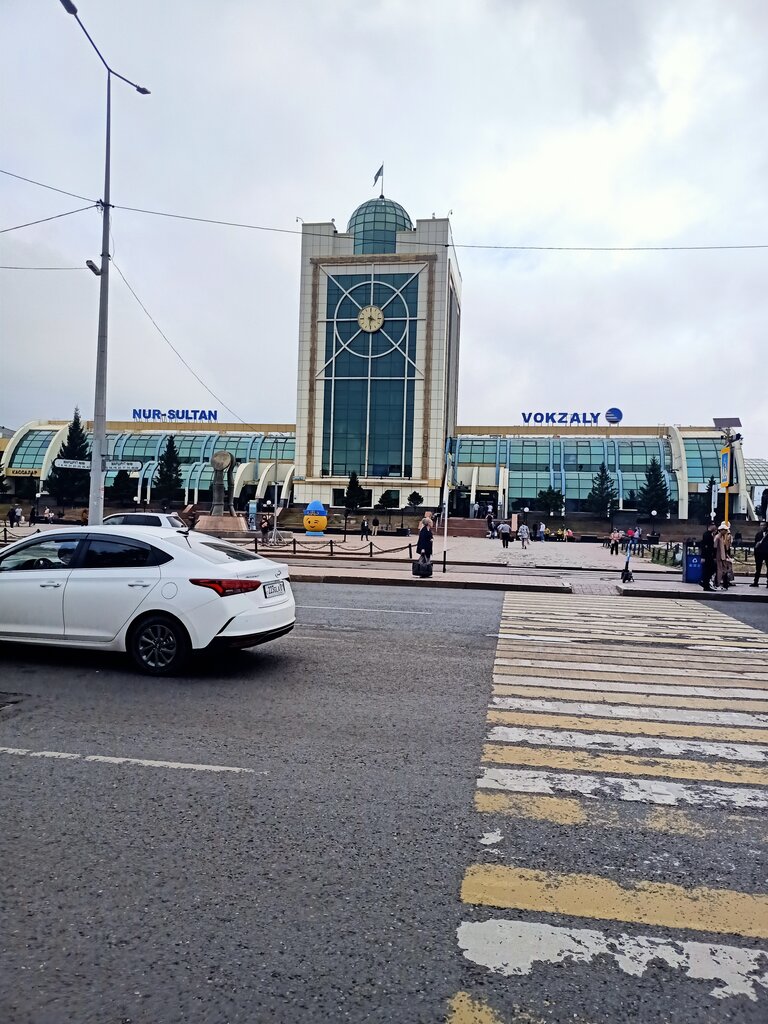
{"type": "Point", "coordinates": [99, 433]}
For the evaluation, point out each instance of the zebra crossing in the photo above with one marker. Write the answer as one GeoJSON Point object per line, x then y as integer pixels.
{"type": "Point", "coordinates": [632, 720]}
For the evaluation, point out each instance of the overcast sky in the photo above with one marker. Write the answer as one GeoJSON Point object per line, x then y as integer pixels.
{"type": "Point", "coordinates": [536, 122]}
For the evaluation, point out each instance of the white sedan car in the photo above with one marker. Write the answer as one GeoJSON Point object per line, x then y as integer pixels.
{"type": "Point", "coordinates": [162, 520]}
{"type": "Point", "coordinates": [159, 595]}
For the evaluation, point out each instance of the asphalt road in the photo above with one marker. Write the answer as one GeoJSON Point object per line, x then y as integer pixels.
{"type": "Point", "coordinates": [322, 884]}
{"type": "Point", "coordinates": [321, 888]}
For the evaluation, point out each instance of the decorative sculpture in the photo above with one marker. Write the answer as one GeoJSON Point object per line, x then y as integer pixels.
{"type": "Point", "coordinates": [315, 519]}
{"type": "Point", "coordinates": [223, 462]}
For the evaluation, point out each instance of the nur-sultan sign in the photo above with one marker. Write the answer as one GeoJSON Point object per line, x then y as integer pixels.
{"type": "Point", "coordinates": [176, 415]}
{"type": "Point", "coordinates": [582, 419]}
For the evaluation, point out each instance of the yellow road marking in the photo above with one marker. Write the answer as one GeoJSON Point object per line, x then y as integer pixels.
{"type": "Point", "coordinates": [578, 723]}
{"type": "Point", "coordinates": [685, 676]}
{"type": "Point", "coordinates": [571, 811]}
{"type": "Point", "coordinates": [463, 1009]}
{"type": "Point", "coordinates": [635, 699]}
{"type": "Point", "coordinates": [652, 903]}
{"type": "Point", "coordinates": [625, 764]}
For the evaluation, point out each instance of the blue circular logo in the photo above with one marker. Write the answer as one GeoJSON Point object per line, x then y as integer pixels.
{"type": "Point", "coordinates": [614, 415]}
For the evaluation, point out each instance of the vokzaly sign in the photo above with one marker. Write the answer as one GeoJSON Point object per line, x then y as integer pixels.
{"type": "Point", "coordinates": [582, 419]}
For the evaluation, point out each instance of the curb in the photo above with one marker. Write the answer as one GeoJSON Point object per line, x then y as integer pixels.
{"type": "Point", "coordinates": [434, 581]}
{"type": "Point", "coordinates": [627, 590]}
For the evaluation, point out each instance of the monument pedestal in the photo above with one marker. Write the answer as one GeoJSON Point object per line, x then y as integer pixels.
{"type": "Point", "coordinates": [229, 525]}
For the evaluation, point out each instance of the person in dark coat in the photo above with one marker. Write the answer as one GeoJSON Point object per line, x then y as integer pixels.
{"type": "Point", "coordinates": [761, 554]}
{"type": "Point", "coordinates": [708, 561]}
{"type": "Point", "coordinates": [424, 543]}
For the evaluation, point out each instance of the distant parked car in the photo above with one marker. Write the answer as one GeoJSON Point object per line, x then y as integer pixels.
{"type": "Point", "coordinates": [159, 595]}
{"type": "Point", "coordinates": [164, 520]}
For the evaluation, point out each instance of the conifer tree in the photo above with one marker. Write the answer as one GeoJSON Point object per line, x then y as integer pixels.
{"type": "Point", "coordinates": [415, 499]}
{"type": "Point", "coordinates": [354, 495]}
{"type": "Point", "coordinates": [551, 501]}
{"type": "Point", "coordinates": [71, 486]}
{"type": "Point", "coordinates": [653, 496]}
{"type": "Point", "coordinates": [167, 482]}
{"type": "Point", "coordinates": [603, 499]}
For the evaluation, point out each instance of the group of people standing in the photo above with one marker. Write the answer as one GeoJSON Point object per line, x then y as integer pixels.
{"type": "Point", "coordinates": [717, 557]}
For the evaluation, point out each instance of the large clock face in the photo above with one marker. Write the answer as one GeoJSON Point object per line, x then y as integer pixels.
{"type": "Point", "coordinates": [370, 319]}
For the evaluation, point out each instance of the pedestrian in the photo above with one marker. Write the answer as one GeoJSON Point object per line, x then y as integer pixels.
{"type": "Point", "coordinates": [490, 508]}
{"type": "Point", "coordinates": [264, 527]}
{"type": "Point", "coordinates": [489, 523]}
{"type": "Point", "coordinates": [12, 516]}
{"type": "Point", "coordinates": [569, 535]}
{"type": "Point", "coordinates": [424, 543]}
{"type": "Point", "coordinates": [721, 557]}
{"type": "Point", "coordinates": [614, 541]}
{"type": "Point", "coordinates": [708, 560]}
{"type": "Point", "coordinates": [375, 525]}
{"type": "Point", "coordinates": [365, 530]}
{"type": "Point", "coordinates": [475, 510]}
{"type": "Point", "coordinates": [523, 535]}
{"type": "Point", "coordinates": [541, 530]}
{"type": "Point", "coordinates": [84, 517]}
{"type": "Point", "coordinates": [761, 554]}
{"type": "Point", "coordinates": [505, 530]}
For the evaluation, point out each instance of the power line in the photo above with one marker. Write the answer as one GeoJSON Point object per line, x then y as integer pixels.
{"type": "Point", "coordinates": [43, 220]}
{"type": "Point", "coordinates": [172, 347]}
{"type": "Point", "coordinates": [4, 267]}
{"type": "Point", "coordinates": [428, 245]}
{"type": "Point", "coordinates": [51, 187]}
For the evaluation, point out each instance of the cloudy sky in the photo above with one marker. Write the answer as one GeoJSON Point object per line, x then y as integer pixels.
{"type": "Point", "coordinates": [536, 122]}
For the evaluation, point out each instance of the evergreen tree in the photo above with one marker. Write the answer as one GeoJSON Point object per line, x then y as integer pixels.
{"type": "Point", "coordinates": [167, 482]}
{"type": "Point", "coordinates": [388, 500]}
{"type": "Point", "coordinates": [71, 486]}
{"type": "Point", "coordinates": [415, 499]}
{"type": "Point", "coordinates": [603, 499]}
{"type": "Point", "coordinates": [631, 498]}
{"type": "Point", "coordinates": [122, 490]}
{"type": "Point", "coordinates": [353, 498]}
{"type": "Point", "coordinates": [653, 495]}
{"type": "Point", "coordinates": [551, 501]}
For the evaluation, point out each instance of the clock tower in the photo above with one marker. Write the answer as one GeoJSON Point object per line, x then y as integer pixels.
{"type": "Point", "coordinates": [378, 355]}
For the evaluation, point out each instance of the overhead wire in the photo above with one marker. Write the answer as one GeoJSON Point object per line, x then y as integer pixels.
{"type": "Point", "coordinates": [173, 348]}
{"type": "Point", "coordinates": [431, 245]}
{"type": "Point", "coordinates": [43, 220]}
{"type": "Point", "coordinates": [6, 267]}
{"type": "Point", "coordinates": [42, 184]}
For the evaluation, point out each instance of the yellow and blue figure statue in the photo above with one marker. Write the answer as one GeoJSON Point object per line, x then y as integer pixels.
{"type": "Point", "coordinates": [315, 519]}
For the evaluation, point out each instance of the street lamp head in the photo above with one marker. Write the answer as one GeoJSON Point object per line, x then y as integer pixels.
{"type": "Point", "coordinates": [93, 268]}
{"type": "Point", "coordinates": [68, 6]}
{"type": "Point", "coordinates": [142, 90]}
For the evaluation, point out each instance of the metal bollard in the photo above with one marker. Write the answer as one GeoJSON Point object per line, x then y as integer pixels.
{"type": "Point", "coordinates": [294, 544]}
{"type": "Point", "coordinates": [256, 545]}
{"type": "Point", "coordinates": [370, 545]}
{"type": "Point", "coordinates": [410, 551]}
{"type": "Point", "coordinates": [331, 544]}
{"type": "Point", "coordinates": [445, 568]}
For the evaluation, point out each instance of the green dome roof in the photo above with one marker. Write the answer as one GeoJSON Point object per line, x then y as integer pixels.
{"type": "Point", "coordinates": [375, 223]}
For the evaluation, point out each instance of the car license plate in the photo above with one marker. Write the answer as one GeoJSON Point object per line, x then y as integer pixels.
{"type": "Point", "coordinates": [274, 589]}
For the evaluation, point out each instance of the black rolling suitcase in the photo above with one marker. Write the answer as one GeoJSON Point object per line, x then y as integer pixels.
{"type": "Point", "coordinates": [422, 567]}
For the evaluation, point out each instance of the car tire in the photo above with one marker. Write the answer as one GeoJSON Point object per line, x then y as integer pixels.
{"type": "Point", "coordinates": [159, 645]}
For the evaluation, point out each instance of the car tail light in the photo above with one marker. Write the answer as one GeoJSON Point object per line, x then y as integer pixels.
{"type": "Point", "coordinates": [226, 587]}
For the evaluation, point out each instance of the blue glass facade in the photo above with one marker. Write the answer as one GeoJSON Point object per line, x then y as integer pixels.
{"type": "Point", "coordinates": [369, 377]}
{"type": "Point", "coordinates": [568, 464]}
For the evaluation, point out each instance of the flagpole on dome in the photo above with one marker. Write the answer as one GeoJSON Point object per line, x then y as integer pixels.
{"type": "Point", "coordinates": [380, 174]}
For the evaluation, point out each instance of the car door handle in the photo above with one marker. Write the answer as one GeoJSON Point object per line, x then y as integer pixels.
{"type": "Point", "coordinates": [145, 585]}
{"type": "Point", "coordinates": [50, 584]}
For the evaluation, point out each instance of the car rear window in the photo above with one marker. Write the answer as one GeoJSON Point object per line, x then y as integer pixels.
{"type": "Point", "coordinates": [218, 552]}
{"type": "Point", "coordinates": [175, 521]}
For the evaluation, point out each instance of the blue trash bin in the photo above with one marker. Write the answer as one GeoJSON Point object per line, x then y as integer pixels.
{"type": "Point", "coordinates": [692, 567]}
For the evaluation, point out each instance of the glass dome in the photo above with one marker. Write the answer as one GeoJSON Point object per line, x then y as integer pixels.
{"type": "Point", "coordinates": [375, 224]}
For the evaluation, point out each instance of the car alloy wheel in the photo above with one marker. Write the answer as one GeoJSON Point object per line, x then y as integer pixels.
{"type": "Point", "coordinates": [159, 646]}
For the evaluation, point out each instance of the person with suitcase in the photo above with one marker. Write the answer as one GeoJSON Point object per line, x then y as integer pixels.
{"type": "Point", "coordinates": [423, 566]}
